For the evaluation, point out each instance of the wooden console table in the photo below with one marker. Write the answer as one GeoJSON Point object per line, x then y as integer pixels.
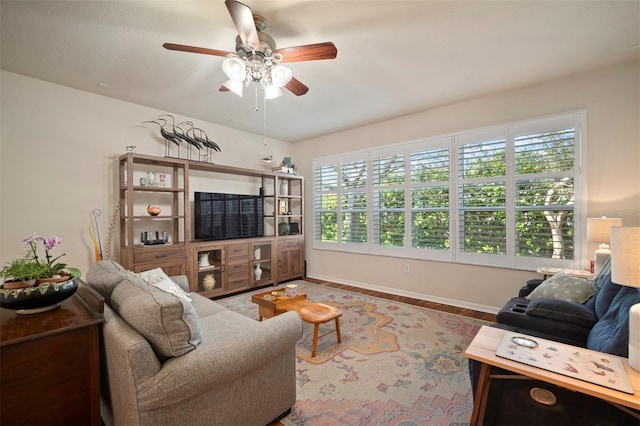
{"type": "Point", "coordinates": [483, 349]}
{"type": "Point", "coordinates": [50, 363]}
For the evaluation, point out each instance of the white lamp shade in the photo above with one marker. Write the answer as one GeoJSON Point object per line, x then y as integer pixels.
{"type": "Point", "coordinates": [625, 255]}
{"type": "Point", "coordinates": [271, 92]}
{"type": "Point", "coordinates": [235, 86]}
{"type": "Point", "coordinates": [234, 68]}
{"type": "Point", "coordinates": [599, 229]}
{"type": "Point", "coordinates": [625, 270]}
{"type": "Point", "coordinates": [280, 75]}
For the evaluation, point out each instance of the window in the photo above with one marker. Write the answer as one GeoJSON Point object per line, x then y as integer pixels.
{"type": "Point", "coordinates": [326, 203]}
{"type": "Point", "coordinates": [502, 196]}
{"type": "Point", "coordinates": [353, 196]}
{"type": "Point", "coordinates": [388, 200]}
{"type": "Point", "coordinates": [429, 171]}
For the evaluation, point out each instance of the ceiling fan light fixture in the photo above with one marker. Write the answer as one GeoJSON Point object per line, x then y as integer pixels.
{"type": "Point", "coordinates": [271, 91]}
{"type": "Point", "coordinates": [235, 86]}
{"type": "Point", "coordinates": [280, 75]}
{"type": "Point", "coordinates": [234, 68]}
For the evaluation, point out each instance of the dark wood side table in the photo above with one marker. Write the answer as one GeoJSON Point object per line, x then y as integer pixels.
{"type": "Point", "coordinates": [50, 363]}
{"type": "Point", "coordinates": [483, 349]}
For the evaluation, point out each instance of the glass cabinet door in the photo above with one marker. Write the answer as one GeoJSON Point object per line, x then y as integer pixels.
{"type": "Point", "coordinates": [261, 263]}
{"type": "Point", "coordinates": [210, 272]}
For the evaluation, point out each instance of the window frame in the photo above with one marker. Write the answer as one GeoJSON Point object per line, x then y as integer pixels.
{"type": "Point", "coordinates": [508, 131]}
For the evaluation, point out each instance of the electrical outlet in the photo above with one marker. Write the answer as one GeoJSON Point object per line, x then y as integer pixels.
{"type": "Point", "coordinates": [407, 268]}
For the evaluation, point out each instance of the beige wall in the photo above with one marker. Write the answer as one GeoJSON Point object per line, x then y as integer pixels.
{"type": "Point", "coordinates": [611, 98]}
{"type": "Point", "coordinates": [59, 145]}
{"type": "Point", "coordinates": [58, 161]}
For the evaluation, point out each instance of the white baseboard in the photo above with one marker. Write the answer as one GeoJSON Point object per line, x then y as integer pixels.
{"type": "Point", "coordinates": [419, 296]}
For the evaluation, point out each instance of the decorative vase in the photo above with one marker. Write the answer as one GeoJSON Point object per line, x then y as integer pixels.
{"type": "Point", "coordinates": [257, 253]}
{"type": "Point", "coordinates": [257, 272]}
{"type": "Point", "coordinates": [292, 290]}
{"type": "Point", "coordinates": [284, 188]}
{"type": "Point", "coordinates": [151, 178]}
{"type": "Point", "coordinates": [203, 260]}
{"type": "Point", "coordinates": [208, 282]}
{"type": "Point", "coordinates": [283, 228]}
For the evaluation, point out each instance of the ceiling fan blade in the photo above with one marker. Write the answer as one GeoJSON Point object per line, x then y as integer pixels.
{"type": "Point", "coordinates": [309, 52]}
{"type": "Point", "coordinates": [243, 20]}
{"type": "Point", "coordinates": [296, 87]}
{"type": "Point", "coordinates": [194, 49]}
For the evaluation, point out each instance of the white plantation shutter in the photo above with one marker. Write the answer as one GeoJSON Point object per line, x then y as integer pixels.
{"type": "Point", "coordinates": [501, 196]}
{"type": "Point", "coordinates": [353, 201]}
{"type": "Point", "coordinates": [326, 202]}
{"type": "Point", "coordinates": [430, 190]}
{"type": "Point", "coordinates": [388, 173]}
{"type": "Point", "coordinates": [482, 209]}
{"type": "Point", "coordinates": [545, 194]}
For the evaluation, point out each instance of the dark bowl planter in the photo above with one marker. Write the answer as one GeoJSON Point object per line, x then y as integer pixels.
{"type": "Point", "coordinates": [37, 299]}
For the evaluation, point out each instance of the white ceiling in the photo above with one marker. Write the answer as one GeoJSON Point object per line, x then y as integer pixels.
{"type": "Point", "coordinates": [394, 57]}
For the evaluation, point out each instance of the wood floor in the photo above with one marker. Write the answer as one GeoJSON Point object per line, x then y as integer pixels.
{"type": "Point", "coordinates": [408, 300]}
{"type": "Point", "coordinates": [411, 301]}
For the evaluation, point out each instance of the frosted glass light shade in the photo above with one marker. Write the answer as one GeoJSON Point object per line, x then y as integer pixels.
{"type": "Point", "coordinates": [280, 75]}
{"type": "Point", "coordinates": [271, 92]}
{"type": "Point", "coordinates": [234, 68]}
{"type": "Point", "coordinates": [235, 86]}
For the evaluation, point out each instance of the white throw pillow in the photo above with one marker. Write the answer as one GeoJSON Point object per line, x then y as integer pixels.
{"type": "Point", "coordinates": [158, 278]}
{"type": "Point", "coordinates": [564, 287]}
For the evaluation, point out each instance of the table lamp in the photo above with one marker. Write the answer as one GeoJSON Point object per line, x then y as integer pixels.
{"type": "Point", "coordinates": [625, 270]}
{"type": "Point", "coordinates": [599, 231]}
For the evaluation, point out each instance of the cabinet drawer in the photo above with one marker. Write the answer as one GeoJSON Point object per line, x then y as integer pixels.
{"type": "Point", "coordinates": [239, 267]}
{"type": "Point", "coordinates": [238, 250]}
{"type": "Point", "coordinates": [289, 243]}
{"type": "Point", "coordinates": [151, 255]}
{"type": "Point", "coordinates": [237, 281]}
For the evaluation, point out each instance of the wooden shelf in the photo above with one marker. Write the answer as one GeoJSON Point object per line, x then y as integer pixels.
{"type": "Point", "coordinates": [232, 271]}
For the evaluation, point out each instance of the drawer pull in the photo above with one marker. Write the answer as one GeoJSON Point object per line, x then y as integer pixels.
{"type": "Point", "coordinates": [161, 256]}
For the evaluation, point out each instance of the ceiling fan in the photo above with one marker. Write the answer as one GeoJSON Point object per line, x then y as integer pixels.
{"type": "Point", "coordinates": [257, 59]}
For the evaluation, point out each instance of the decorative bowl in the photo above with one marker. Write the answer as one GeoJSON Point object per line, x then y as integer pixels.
{"type": "Point", "coordinates": [153, 211]}
{"type": "Point", "coordinates": [37, 299]}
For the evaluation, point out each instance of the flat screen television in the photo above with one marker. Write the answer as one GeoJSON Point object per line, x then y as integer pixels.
{"type": "Point", "coordinates": [227, 216]}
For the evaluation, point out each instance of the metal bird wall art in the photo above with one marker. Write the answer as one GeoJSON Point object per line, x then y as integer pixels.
{"type": "Point", "coordinates": [174, 133]}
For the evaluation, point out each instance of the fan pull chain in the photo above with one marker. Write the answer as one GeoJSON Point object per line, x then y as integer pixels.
{"type": "Point", "coordinates": [257, 109]}
{"type": "Point", "coordinates": [264, 119]}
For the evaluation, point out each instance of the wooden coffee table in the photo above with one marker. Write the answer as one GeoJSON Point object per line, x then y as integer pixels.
{"type": "Point", "coordinates": [311, 312]}
{"type": "Point", "coordinates": [272, 306]}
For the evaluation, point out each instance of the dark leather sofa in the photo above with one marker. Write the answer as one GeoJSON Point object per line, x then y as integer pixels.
{"type": "Point", "coordinates": [601, 324]}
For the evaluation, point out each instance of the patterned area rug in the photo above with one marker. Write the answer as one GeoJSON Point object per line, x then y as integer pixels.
{"type": "Point", "coordinates": [397, 364]}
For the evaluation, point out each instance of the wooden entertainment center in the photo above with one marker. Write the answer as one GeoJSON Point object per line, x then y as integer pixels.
{"type": "Point", "coordinates": [215, 267]}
